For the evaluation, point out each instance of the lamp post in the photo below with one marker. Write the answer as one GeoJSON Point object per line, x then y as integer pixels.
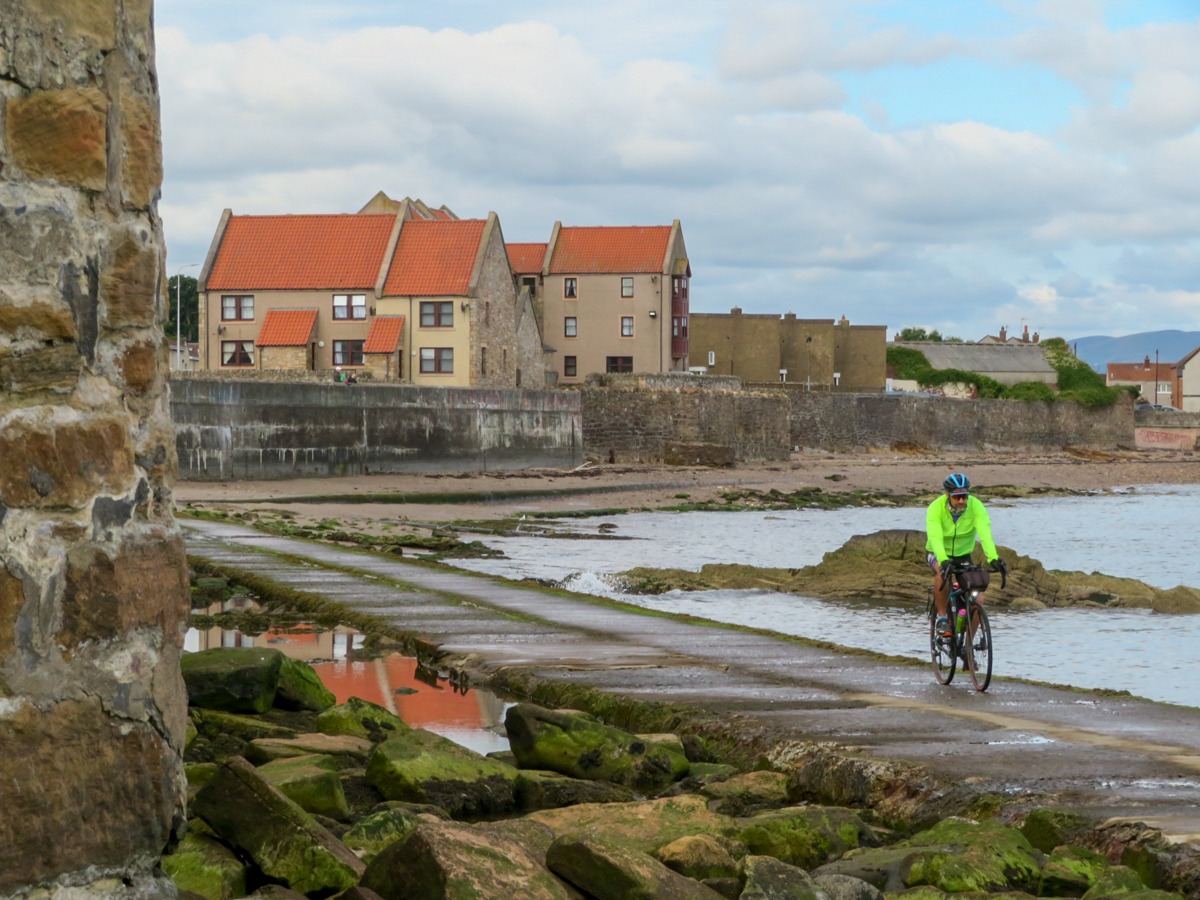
{"type": "Point", "coordinates": [1156, 376]}
{"type": "Point", "coordinates": [179, 316]}
{"type": "Point", "coordinates": [808, 361]}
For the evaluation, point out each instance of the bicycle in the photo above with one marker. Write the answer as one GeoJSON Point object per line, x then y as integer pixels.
{"type": "Point", "coordinates": [970, 638]}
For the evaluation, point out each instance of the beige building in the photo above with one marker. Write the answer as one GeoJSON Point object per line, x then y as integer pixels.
{"type": "Point", "coordinates": [1156, 382]}
{"type": "Point", "coordinates": [817, 353]}
{"type": "Point", "coordinates": [1187, 372]}
{"type": "Point", "coordinates": [608, 299]}
{"type": "Point", "coordinates": [407, 295]}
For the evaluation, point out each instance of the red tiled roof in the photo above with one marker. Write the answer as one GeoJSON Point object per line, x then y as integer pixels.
{"type": "Point", "coordinates": [287, 327]}
{"type": "Point", "coordinates": [526, 259]}
{"type": "Point", "coordinates": [300, 252]}
{"type": "Point", "coordinates": [434, 258]}
{"type": "Point", "coordinates": [613, 249]}
{"type": "Point", "coordinates": [384, 336]}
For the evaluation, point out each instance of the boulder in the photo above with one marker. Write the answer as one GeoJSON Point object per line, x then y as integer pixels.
{"type": "Point", "coordinates": [575, 744]}
{"type": "Point", "coordinates": [767, 878]}
{"type": "Point", "coordinates": [284, 841]}
{"type": "Point", "coordinates": [445, 859]}
{"type": "Point", "coordinates": [371, 834]}
{"type": "Point", "coordinates": [1048, 827]}
{"type": "Point", "coordinates": [203, 865]}
{"type": "Point", "coordinates": [645, 825]}
{"type": "Point", "coordinates": [300, 687]}
{"type": "Point", "coordinates": [843, 887]}
{"type": "Point", "coordinates": [233, 679]}
{"type": "Point", "coordinates": [422, 767]}
{"type": "Point", "coordinates": [609, 871]}
{"type": "Point", "coordinates": [702, 856]}
{"type": "Point", "coordinates": [534, 837]}
{"type": "Point", "coordinates": [1070, 871]}
{"type": "Point", "coordinates": [805, 836]}
{"type": "Point", "coordinates": [343, 748]}
{"type": "Point", "coordinates": [744, 795]}
{"type": "Point", "coordinates": [549, 790]}
{"type": "Point", "coordinates": [211, 723]}
{"type": "Point", "coordinates": [1115, 881]}
{"type": "Point", "coordinates": [361, 719]}
{"type": "Point", "coordinates": [311, 782]}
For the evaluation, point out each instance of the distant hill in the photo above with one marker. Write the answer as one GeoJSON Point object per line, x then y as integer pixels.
{"type": "Point", "coordinates": [1099, 350]}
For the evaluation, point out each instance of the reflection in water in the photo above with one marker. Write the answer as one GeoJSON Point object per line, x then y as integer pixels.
{"type": "Point", "coordinates": [421, 696]}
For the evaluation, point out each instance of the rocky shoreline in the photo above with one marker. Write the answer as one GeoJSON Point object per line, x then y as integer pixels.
{"type": "Point", "coordinates": [292, 795]}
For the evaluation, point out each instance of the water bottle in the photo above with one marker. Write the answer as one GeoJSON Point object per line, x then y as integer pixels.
{"type": "Point", "coordinates": [962, 619]}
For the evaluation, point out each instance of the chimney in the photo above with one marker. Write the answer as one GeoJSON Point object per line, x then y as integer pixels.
{"type": "Point", "coordinates": [1025, 335]}
{"type": "Point", "coordinates": [1147, 363]}
{"type": "Point", "coordinates": [1035, 337]}
{"type": "Point", "coordinates": [1004, 334]}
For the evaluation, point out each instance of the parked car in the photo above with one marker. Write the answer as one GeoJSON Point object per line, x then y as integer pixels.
{"type": "Point", "coordinates": [1163, 408]}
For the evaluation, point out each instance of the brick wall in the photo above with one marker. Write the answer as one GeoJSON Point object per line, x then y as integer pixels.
{"type": "Point", "coordinates": [93, 576]}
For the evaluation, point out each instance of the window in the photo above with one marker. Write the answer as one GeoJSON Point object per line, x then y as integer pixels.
{"type": "Point", "coordinates": [237, 308]}
{"type": "Point", "coordinates": [483, 360]}
{"type": "Point", "coordinates": [679, 287]}
{"type": "Point", "coordinates": [618, 364]}
{"type": "Point", "coordinates": [437, 360]}
{"type": "Point", "coordinates": [570, 367]}
{"type": "Point", "coordinates": [679, 327]}
{"type": "Point", "coordinates": [347, 353]}
{"type": "Point", "coordinates": [570, 288]}
{"type": "Point", "coordinates": [626, 285]}
{"type": "Point", "coordinates": [570, 327]}
{"type": "Point", "coordinates": [349, 306]}
{"type": "Point", "coordinates": [626, 326]}
{"type": "Point", "coordinates": [437, 314]}
{"type": "Point", "coordinates": [237, 353]}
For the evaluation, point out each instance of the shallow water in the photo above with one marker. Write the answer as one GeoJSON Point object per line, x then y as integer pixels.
{"type": "Point", "coordinates": [1143, 533]}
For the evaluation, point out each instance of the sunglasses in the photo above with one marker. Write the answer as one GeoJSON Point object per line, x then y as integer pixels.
{"type": "Point", "coordinates": [963, 495]}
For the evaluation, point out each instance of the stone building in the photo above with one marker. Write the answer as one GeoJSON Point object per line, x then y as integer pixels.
{"type": "Point", "coordinates": [818, 354]}
{"type": "Point", "coordinates": [412, 295]}
{"type": "Point", "coordinates": [93, 575]}
{"type": "Point", "coordinates": [608, 299]}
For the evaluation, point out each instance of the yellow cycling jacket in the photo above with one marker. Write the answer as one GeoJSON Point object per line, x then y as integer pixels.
{"type": "Point", "coordinates": [945, 537]}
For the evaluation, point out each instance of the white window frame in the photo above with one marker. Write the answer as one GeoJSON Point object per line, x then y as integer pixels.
{"type": "Point", "coordinates": [349, 307]}
{"type": "Point", "coordinates": [437, 360]}
{"type": "Point", "coordinates": [570, 326]}
{"type": "Point", "coordinates": [626, 286]}
{"type": "Point", "coordinates": [626, 326]}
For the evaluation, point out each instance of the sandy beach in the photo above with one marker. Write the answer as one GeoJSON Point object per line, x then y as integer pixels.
{"type": "Point", "coordinates": [595, 486]}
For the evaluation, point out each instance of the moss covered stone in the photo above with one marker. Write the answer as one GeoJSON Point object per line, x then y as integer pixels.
{"type": "Point", "coordinates": [360, 718]}
{"type": "Point", "coordinates": [232, 679]}
{"type": "Point", "coordinates": [959, 855]}
{"type": "Point", "coordinates": [1048, 827]}
{"type": "Point", "coordinates": [203, 865]}
{"type": "Point", "coordinates": [311, 782]}
{"type": "Point", "coordinates": [805, 836]}
{"type": "Point", "coordinates": [645, 825]}
{"type": "Point", "coordinates": [422, 767]}
{"type": "Point", "coordinates": [1070, 871]}
{"type": "Point", "coordinates": [1115, 881]}
{"type": "Point", "coordinates": [371, 834]}
{"type": "Point", "coordinates": [300, 687]}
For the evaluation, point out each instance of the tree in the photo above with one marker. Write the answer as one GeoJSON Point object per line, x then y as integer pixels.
{"type": "Point", "coordinates": [913, 333]}
{"type": "Point", "coordinates": [188, 297]}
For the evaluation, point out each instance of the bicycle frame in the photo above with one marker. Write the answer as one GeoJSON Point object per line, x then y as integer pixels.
{"type": "Point", "coordinates": [970, 638]}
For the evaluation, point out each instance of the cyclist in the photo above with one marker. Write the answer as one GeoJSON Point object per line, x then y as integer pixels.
{"type": "Point", "coordinates": [952, 525]}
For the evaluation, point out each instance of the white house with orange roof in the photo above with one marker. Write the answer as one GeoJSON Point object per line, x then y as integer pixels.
{"type": "Point", "coordinates": [411, 295]}
{"type": "Point", "coordinates": [609, 298]}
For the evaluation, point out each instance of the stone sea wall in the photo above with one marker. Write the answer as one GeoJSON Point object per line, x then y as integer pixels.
{"type": "Point", "coordinates": [93, 588]}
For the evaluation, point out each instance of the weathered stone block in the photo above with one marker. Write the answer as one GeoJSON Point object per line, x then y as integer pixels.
{"type": "Point", "coordinates": [12, 599]}
{"type": "Point", "coordinates": [31, 374]}
{"type": "Point", "coordinates": [60, 135]}
{"type": "Point", "coordinates": [129, 284]}
{"type": "Point", "coordinates": [207, 867]}
{"type": "Point", "coordinates": [64, 464]}
{"type": "Point", "coordinates": [141, 170]}
{"type": "Point", "coordinates": [78, 788]}
{"type": "Point", "coordinates": [300, 687]}
{"type": "Point", "coordinates": [141, 366]}
{"type": "Point", "coordinates": [311, 782]}
{"type": "Point", "coordinates": [612, 872]}
{"type": "Point", "coordinates": [235, 679]}
{"type": "Point", "coordinates": [285, 842]}
{"type": "Point", "coordinates": [82, 18]}
{"type": "Point", "coordinates": [446, 860]}
{"type": "Point", "coordinates": [142, 585]}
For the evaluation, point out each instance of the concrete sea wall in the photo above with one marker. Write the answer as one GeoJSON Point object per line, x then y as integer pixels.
{"type": "Point", "coordinates": [267, 429]}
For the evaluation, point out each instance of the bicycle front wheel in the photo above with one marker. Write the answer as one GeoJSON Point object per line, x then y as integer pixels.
{"type": "Point", "coordinates": [979, 648]}
{"type": "Point", "coordinates": [941, 651]}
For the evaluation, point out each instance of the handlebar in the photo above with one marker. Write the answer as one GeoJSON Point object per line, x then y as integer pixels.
{"type": "Point", "coordinates": [955, 569]}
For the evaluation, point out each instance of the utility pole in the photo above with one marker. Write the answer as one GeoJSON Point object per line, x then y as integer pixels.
{"type": "Point", "coordinates": [179, 316]}
{"type": "Point", "coordinates": [1156, 376]}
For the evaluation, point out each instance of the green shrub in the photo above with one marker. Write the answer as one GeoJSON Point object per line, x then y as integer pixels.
{"type": "Point", "coordinates": [1029, 391]}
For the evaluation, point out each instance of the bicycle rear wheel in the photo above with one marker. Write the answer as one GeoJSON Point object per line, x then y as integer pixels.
{"type": "Point", "coordinates": [941, 651]}
{"type": "Point", "coordinates": [979, 648]}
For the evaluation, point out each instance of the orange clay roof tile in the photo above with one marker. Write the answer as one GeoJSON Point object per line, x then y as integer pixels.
{"type": "Point", "coordinates": [384, 336]}
{"type": "Point", "coordinates": [434, 258]}
{"type": "Point", "coordinates": [287, 327]}
{"type": "Point", "coordinates": [526, 259]}
{"type": "Point", "coordinates": [610, 250]}
{"type": "Point", "coordinates": [303, 252]}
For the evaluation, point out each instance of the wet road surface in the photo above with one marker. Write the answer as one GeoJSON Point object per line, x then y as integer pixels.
{"type": "Point", "coordinates": [1120, 757]}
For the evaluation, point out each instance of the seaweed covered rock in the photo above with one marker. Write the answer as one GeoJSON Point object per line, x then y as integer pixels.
{"type": "Point", "coordinates": [361, 718]}
{"type": "Point", "coordinates": [805, 836]}
{"type": "Point", "coordinates": [609, 871]}
{"type": "Point", "coordinates": [422, 767]}
{"type": "Point", "coordinates": [578, 745]}
{"type": "Point", "coordinates": [232, 679]}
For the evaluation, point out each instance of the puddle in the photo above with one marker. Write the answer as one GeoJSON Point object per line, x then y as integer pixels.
{"type": "Point", "coordinates": [422, 697]}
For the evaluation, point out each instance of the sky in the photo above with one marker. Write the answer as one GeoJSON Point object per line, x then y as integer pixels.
{"type": "Point", "coordinates": [952, 166]}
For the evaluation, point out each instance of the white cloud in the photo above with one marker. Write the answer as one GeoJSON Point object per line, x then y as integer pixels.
{"type": "Point", "coordinates": [734, 120]}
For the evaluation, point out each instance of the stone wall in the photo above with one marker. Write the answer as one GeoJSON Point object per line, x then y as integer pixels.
{"type": "Point", "coordinates": [641, 426]}
{"type": "Point", "coordinates": [851, 421]}
{"type": "Point", "coordinates": [271, 429]}
{"type": "Point", "coordinates": [93, 583]}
